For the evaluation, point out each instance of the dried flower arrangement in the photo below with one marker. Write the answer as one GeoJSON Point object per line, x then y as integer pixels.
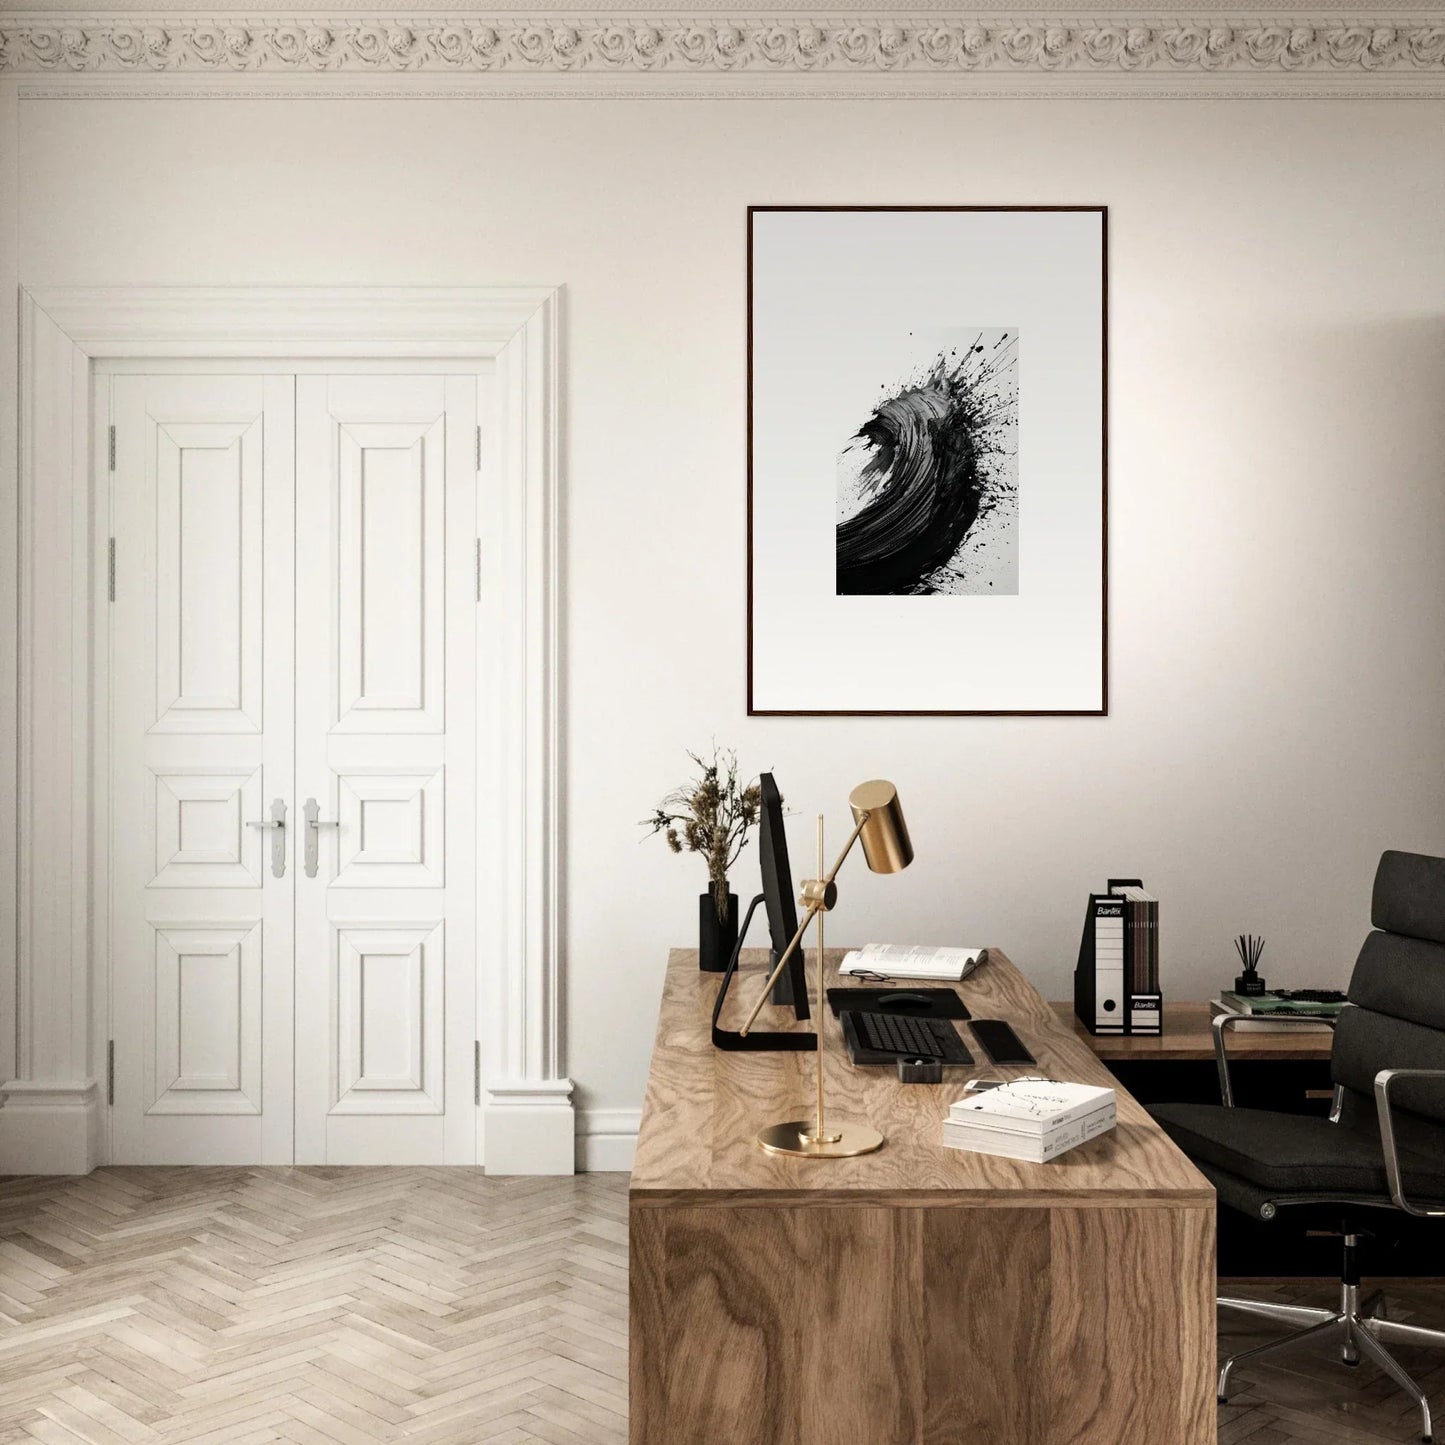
{"type": "Point", "coordinates": [711, 816]}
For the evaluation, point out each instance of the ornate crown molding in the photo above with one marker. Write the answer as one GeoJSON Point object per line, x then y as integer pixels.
{"type": "Point", "coordinates": [732, 50]}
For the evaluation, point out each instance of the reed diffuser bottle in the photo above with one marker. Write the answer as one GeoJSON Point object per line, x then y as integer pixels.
{"type": "Point", "coordinates": [1249, 948]}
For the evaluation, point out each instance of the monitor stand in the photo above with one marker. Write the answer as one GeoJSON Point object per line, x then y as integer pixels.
{"type": "Point", "coordinates": [757, 1040]}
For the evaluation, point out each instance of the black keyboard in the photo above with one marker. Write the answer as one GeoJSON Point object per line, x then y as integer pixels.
{"type": "Point", "coordinates": [910, 1038]}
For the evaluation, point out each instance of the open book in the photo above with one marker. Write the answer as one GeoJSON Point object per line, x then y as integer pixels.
{"type": "Point", "coordinates": [906, 960]}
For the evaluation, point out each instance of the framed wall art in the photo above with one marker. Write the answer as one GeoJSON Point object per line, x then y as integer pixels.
{"type": "Point", "coordinates": [927, 459]}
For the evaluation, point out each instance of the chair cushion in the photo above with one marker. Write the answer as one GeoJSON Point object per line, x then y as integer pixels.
{"type": "Point", "coordinates": [1294, 1153]}
{"type": "Point", "coordinates": [1372, 1212]}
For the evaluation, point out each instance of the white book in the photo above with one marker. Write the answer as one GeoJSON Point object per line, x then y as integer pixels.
{"type": "Point", "coordinates": [1025, 1145]}
{"type": "Point", "coordinates": [907, 960]}
{"type": "Point", "coordinates": [1031, 1106]}
{"type": "Point", "coordinates": [993, 1129]}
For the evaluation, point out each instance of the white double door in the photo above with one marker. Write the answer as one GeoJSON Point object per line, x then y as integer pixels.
{"type": "Point", "coordinates": [292, 767]}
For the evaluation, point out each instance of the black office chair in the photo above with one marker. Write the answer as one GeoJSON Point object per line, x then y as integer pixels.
{"type": "Point", "coordinates": [1382, 1150]}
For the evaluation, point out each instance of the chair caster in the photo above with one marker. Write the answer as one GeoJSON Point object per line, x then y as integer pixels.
{"type": "Point", "coordinates": [1353, 1364]}
{"type": "Point", "coordinates": [1221, 1399]}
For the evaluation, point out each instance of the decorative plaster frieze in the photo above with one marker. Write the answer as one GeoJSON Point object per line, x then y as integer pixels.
{"type": "Point", "coordinates": [764, 46]}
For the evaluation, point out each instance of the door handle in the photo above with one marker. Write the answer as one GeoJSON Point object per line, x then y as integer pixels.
{"type": "Point", "coordinates": [277, 823]}
{"type": "Point", "coordinates": [314, 824]}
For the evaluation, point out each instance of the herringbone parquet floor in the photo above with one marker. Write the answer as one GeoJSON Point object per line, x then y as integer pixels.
{"type": "Point", "coordinates": [347, 1306]}
{"type": "Point", "coordinates": [321, 1306]}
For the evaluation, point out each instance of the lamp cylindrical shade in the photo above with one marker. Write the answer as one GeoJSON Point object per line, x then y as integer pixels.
{"type": "Point", "coordinates": [885, 840]}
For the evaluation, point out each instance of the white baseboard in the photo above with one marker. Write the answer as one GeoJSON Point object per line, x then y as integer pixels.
{"type": "Point", "coordinates": [607, 1140]}
{"type": "Point", "coordinates": [49, 1128]}
{"type": "Point", "coordinates": [55, 1129]}
{"type": "Point", "coordinates": [530, 1128]}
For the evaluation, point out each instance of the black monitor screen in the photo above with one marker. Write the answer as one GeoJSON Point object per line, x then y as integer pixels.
{"type": "Point", "coordinates": [778, 895]}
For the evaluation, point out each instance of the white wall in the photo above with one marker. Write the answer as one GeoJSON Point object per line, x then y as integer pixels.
{"type": "Point", "coordinates": [1277, 480]}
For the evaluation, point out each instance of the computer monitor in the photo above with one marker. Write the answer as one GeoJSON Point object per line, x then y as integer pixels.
{"type": "Point", "coordinates": [791, 987]}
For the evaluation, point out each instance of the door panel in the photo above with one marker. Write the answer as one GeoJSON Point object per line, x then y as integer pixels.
{"type": "Point", "coordinates": [201, 666]}
{"type": "Point", "coordinates": [390, 634]}
{"type": "Point", "coordinates": [208, 600]}
{"type": "Point", "coordinates": [385, 630]}
{"type": "Point", "coordinates": [201, 832]}
{"type": "Point", "coordinates": [207, 1055]}
{"type": "Point", "coordinates": [390, 994]}
{"type": "Point", "coordinates": [392, 829]}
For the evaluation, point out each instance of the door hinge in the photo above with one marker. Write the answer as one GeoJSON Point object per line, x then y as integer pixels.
{"type": "Point", "coordinates": [112, 448]}
{"type": "Point", "coordinates": [110, 1072]}
{"type": "Point", "coordinates": [479, 569]}
{"type": "Point", "coordinates": [479, 449]}
{"type": "Point", "coordinates": [477, 1072]}
{"type": "Point", "coordinates": [110, 570]}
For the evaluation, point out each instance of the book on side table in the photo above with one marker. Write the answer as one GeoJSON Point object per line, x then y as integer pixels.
{"type": "Point", "coordinates": [1265, 1012]}
{"type": "Point", "coordinates": [1031, 1119]}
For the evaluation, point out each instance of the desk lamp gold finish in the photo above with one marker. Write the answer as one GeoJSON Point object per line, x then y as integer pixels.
{"type": "Point", "coordinates": [878, 824]}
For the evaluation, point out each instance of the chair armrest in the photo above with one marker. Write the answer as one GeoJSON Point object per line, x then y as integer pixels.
{"type": "Point", "coordinates": [1383, 1080]}
{"type": "Point", "coordinates": [1224, 1022]}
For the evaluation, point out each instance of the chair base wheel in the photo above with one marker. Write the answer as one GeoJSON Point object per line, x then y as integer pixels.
{"type": "Point", "coordinates": [1353, 1364]}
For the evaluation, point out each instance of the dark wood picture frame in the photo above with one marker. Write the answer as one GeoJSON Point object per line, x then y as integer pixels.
{"type": "Point", "coordinates": [1103, 709]}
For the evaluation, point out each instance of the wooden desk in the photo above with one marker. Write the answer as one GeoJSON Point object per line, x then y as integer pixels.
{"type": "Point", "coordinates": [1187, 1037]}
{"type": "Point", "coordinates": [919, 1294]}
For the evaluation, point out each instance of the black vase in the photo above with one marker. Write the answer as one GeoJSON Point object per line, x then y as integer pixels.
{"type": "Point", "coordinates": [716, 938]}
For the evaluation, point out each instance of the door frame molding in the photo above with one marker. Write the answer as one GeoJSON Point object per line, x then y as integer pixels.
{"type": "Point", "coordinates": [53, 1110]}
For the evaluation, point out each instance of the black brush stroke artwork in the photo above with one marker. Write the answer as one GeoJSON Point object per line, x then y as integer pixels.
{"type": "Point", "coordinates": [930, 469]}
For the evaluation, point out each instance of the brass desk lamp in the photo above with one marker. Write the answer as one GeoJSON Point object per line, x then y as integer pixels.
{"type": "Point", "coordinates": [878, 823]}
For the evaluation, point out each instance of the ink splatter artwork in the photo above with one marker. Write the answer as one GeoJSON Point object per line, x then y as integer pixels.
{"type": "Point", "coordinates": [928, 499]}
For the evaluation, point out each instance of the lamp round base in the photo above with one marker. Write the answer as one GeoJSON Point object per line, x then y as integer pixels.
{"type": "Point", "coordinates": [795, 1137]}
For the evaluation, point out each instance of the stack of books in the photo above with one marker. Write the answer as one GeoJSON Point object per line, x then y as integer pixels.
{"type": "Point", "coordinates": [1032, 1119]}
{"type": "Point", "coordinates": [1141, 939]}
{"type": "Point", "coordinates": [1259, 1012]}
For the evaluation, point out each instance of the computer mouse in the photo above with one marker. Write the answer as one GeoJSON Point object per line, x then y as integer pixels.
{"type": "Point", "coordinates": [904, 1000]}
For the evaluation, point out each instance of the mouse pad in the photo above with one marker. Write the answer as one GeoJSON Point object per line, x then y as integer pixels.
{"type": "Point", "coordinates": [918, 1003]}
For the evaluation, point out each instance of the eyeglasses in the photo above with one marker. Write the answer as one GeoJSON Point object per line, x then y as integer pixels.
{"type": "Point", "coordinates": [869, 975]}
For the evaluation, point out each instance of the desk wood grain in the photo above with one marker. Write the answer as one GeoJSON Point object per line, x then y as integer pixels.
{"type": "Point", "coordinates": [920, 1295]}
{"type": "Point", "coordinates": [703, 1108]}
